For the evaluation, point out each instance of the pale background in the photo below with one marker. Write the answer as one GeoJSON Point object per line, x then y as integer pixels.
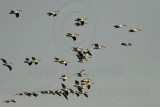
{"type": "Point", "coordinates": [123, 76]}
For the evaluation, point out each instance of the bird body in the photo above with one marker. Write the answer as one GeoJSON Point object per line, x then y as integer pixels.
{"type": "Point", "coordinates": [81, 73]}
{"type": "Point", "coordinates": [53, 13]}
{"type": "Point", "coordinates": [98, 46]}
{"type": "Point", "coordinates": [64, 77]}
{"type": "Point", "coordinates": [134, 30]}
{"type": "Point", "coordinates": [10, 100]}
{"type": "Point", "coordinates": [7, 64]}
{"type": "Point", "coordinates": [72, 35]}
{"type": "Point", "coordinates": [119, 26]}
{"type": "Point", "coordinates": [126, 44]}
{"type": "Point", "coordinates": [61, 61]}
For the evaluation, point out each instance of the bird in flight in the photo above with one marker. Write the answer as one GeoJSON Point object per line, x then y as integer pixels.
{"type": "Point", "coordinates": [53, 13]}
{"type": "Point", "coordinates": [119, 26]}
{"type": "Point", "coordinates": [7, 64]}
{"type": "Point", "coordinates": [15, 12]}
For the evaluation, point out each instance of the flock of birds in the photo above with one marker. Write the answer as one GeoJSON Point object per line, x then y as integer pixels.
{"type": "Point", "coordinates": [82, 55]}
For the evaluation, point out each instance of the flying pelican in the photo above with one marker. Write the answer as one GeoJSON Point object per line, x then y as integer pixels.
{"type": "Point", "coordinates": [72, 35]}
{"type": "Point", "coordinates": [16, 12]}
{"type": "Point", "coordinates": [64, 77]}
{"type": "Point", "coordinates": [53, 13]}
{"type": "Point", "coordinates": [81, 73]}
{"type": "Point", "coordinates": [119, 26]}
{"type": "Point", "coordinates": [81, 21]}
{"type": "Point", "coordinates": [10, 100]}
{"type": "Point", "coordinates": [61, 61]}
{"type": "Point", "coordinates": [35, 61]}
{"type": "Point", "coordinates": [47, 92]}
{"type": "Point", "coordinates": [86, 80]}
{"type": "Point", "coordinates": [98, 46]}
{"type": "Point", "coordinates": [134, 30]}
{"type": "Point", "coordinates": [22, 93]}
{"type": "Point", "coordinates": [29, 61]}
{"type": "Point", "coordinates": [77, 49]}
{"type": "Point", "coordinates": [81, 92]}
{"type": "Point", "coordinates": [8, 64]}
{"type": "Point", "coordinates": [59, 92]}
{"type": "Point", "coordinates": [126, 44]}
{"type": "Point", "coordinates": [87, 51]}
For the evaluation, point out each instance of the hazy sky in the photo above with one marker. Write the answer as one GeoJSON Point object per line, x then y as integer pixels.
{"type": "Point", "coordinates": [123, 76]}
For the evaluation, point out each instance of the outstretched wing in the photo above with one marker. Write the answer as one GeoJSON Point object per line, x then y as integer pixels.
{"type": "Point", "coordinates": [4, 61]}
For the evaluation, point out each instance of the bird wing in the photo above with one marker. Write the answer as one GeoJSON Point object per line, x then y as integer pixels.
{"type": "Point", "coordinates": [65, 96]}
{"type": "Point", "coordinates": [76, 82]}
{"type": "Point", "coordinates": [33, 58]}
{"type": "Point", "coordinates": [74, 38]}
{"type": "Point", "coordinates": [17, 15]}
{"type": "Point", "coordinates": [86, 95]}
{"type": "Point", "coordinates": [4, 61]}
{"type": "Point", "coordinates": [79, 88]}
{"type": "Point", "coordinates": [82, 71]}
{"type": "Point", "coordinates": [63, 86]}
{"type": "Point", "coordinates": [9, 66]}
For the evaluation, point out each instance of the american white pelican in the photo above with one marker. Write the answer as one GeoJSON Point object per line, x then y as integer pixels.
{"type": "Point", "coordinates": [7, 64]}
{"type": "Point", "coordinates": [98, 46]}
{"type": "Point", "coordinates": [61, 61]}
{"type": "Point", "coordinates": [53, 13]}
{"type": "Point", "coordinates": [64, 77]}
{"type": "Point", "coordinates": [16, 12]}
{"type": "Point", "coordinates": [86, 80]}
{"type": "Point", "coordinates": [77, 49]}
{"type": "Point", "coordinates": [22, 93]}
{"type": "Point", "coordinates": [126, 44]}
{"type": "Point", "coordinates": [35, 61]}
{"type": "Point", "coordinates": [81, 73]}
{"type": "Point", "coordinates": [10, 100]}
{"type": "Point", "coordinates": [119, 26]}
{"type": "Point", "coordinates": [47, 92]}
{"type": "Point", "coordinates": [84, 93]}
{"type": "Point", "coordinates": [81, 21]}
{"type": "Point", "coordinates": [72, 35]}
{"type": "Point", "coordinates": [28, 61]}
{"type": "Point", "coordinates": [134, 30]}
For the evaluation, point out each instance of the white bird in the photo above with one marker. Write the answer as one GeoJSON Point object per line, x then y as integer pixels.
{"type": "Point", "coordinates": [81, 92]}
{"type": "Point", "coordinates": [16, 12]}
{"type": "Point", "coordinates": [119, 26]}
{"type": "Point", "coordinates": [134, 30]}
{"type": "Point", "coordinates": [7, 64]}
{"type": "Point", "coordinates": [81, 21]}
{"type": "Point", "coordinates": [81, 73]}
{"type": "Point", "coordinates": [53, 13]}
{"type": "Point", "coordinates": [61, 61]}
{"type": "Point", "coordinates": [86, 80]}
{"type": "Point", "coordinates": [10, 100]}
{"type": "Point", "coordinates": [72, 35]}
{"type": "Point", "coordinates": [77, 49]}
{"type": "Point", "coordinates": [35, 61]}
{"type": "Point", "coordinates": [64, 77]}
{"type": "Point", "coordinates": [126, 44]}
{"type": "Point", "coordinates": [47, 92]}
{"type": "Point", "coordinates": [98, 46]}
{"type": "Point", "coordinates": [28, 61]}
